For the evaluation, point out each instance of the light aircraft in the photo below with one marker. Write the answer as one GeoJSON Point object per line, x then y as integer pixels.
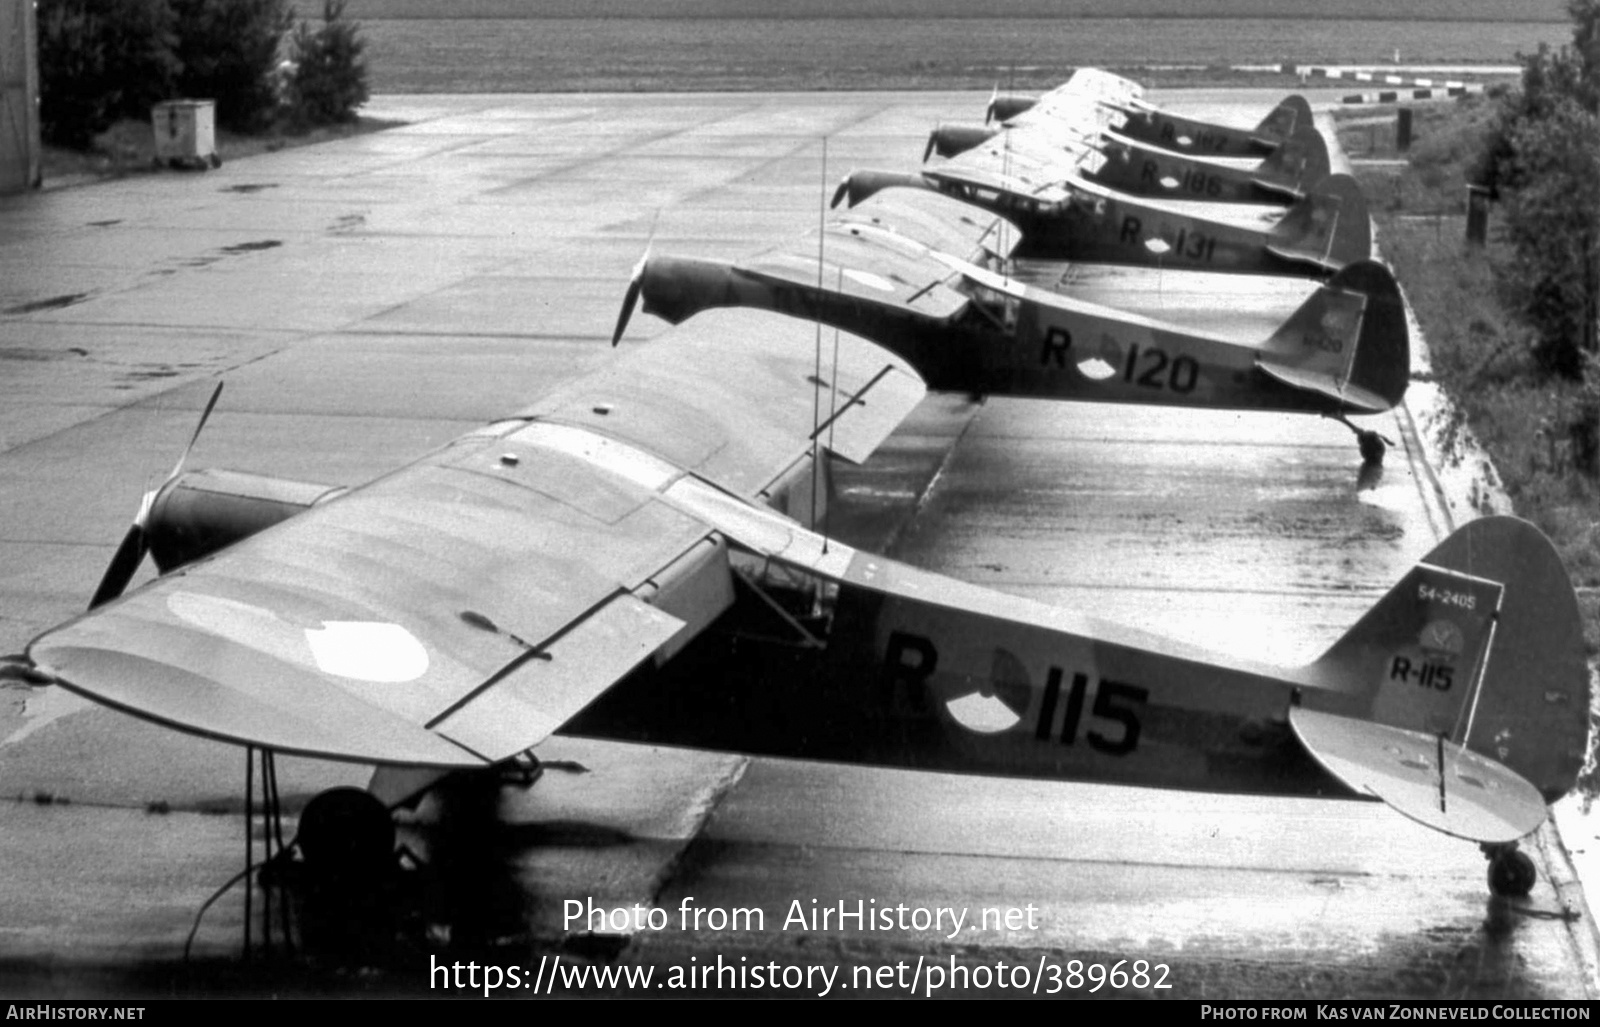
{"type": "Point", "coordinates": [1136, 169]}
{"type": "Point", "coordinates": [914, 272]}
{"type": "Point", "coordinates": [1096, 99]}
{"type": "Point", "coordinates": [585, 565]}
{"type": "Point", "coordinates": [1078, 193]}
{"type": "Point", "coordinates": [1063, 215]}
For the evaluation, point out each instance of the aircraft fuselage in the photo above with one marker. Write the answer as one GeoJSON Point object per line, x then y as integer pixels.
{"type": "Point", "coordinates": [921, 686]}
{"type": "Point", "coordinates": [1189, 135]}
{"type": "Point", "coordinates": [1146, 171]}
{"type": "Point", "coordinates": [1113, 230]}
{"type": "Point", "coordinates": [1027, 350]}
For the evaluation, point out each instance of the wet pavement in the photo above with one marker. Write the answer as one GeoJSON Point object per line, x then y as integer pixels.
{"type": "Point", "coordinates": [369, 299]}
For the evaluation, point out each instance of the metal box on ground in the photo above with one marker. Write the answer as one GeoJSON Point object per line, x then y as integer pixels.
{"type": "Point", "coordinates": [186, 134]}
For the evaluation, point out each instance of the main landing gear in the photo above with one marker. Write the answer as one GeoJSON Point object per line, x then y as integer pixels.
{"type": "Point", "coordinates": [1511, 873]}
{"type": "Point", "coordinates": [346, 835]}
{"type": "Point", "coordinates": [348, 888]}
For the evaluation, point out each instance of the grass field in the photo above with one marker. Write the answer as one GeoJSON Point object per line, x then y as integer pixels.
{"type": "Point", "coordinates": [987, 10]}
{"type": "Point", "coordinates": [641, 54]}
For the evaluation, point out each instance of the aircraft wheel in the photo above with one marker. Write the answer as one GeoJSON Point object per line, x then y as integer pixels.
{"type": "Point", "coordinates": [1372, 446]}
{"type": "Point", "coordinates": [346, 832]}
{"type": "Point", "coordinates": [1512, 874]}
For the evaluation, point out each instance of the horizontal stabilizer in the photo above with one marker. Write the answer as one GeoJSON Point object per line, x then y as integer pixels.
{"type": "Point", "coordinates": [1329, 228]}
{"type": "Point", "coordinates": [1297, 165]}
{"type": "Point", "coordinates": [1475, 798]}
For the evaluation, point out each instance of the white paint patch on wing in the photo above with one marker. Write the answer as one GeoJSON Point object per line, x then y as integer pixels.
{"type": "Point", "coordinates": [869, 279]}
{"type": "Point", "coordinates": [384, 654]}
{"type": "Point", "coordinates": [370, 651]}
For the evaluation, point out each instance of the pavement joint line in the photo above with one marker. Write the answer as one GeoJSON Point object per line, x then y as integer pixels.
{"type": "Point", "coordinates": [624, 144]}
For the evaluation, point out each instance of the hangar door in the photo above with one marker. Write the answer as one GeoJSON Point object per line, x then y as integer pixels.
{"type": "Point", "coordinates": [19, 92]}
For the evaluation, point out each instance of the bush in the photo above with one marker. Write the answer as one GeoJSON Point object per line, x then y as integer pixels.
{"type": "Point", "coordinates": [330, 78]}
{"type": "Point", "coordinates": [100, 60]}
{"type": "Point", "coordinates": [228, 50]}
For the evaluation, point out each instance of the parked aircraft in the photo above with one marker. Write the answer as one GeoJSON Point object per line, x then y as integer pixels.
{"type": "Point", "coordinates": [1136, 169]}
{"type": "Point", "coordinates": [1096, 99]}
{"type": "Point", "coordinates": [585, 565]}
{"type": "Point", "coordinates": [1063, 216]}
{"type": "Point", "coordinates": [968, 327]}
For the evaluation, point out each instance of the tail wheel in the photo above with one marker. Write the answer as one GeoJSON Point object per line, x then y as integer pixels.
{"type": "Point", "coordinates": [1511, 873]}
{"type": "Point", "coordinates": [1372, 447]}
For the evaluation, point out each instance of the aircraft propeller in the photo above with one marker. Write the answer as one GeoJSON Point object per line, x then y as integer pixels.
{"type": "Point", "coordinates": [933, 140]}
{"type": "Point", "coordinates": [988, 112]}
{"type": "Point", "coordinates": [840, 193]}
{"type": "Point", "coordinates": [630, 299]}
{"type": "Point", "coordinates": [125, 561]}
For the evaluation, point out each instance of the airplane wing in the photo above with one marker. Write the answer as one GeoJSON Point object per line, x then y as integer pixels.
{"type": "Point", "coordinates": [459, 610]}
{"type": "Point", "coordinates": [886, 251]}
{"type": "Point", "coordinates": [1091, 99]}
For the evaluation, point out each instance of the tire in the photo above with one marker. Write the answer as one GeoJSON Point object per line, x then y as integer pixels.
{"type": "Point", "coordinates": [1512, 874]}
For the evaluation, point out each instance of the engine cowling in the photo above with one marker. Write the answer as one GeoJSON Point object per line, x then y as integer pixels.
{"type": "Point", "coordinates": [949, 140]}
{"type": "Point", "coordinates": [201, 512]}
{"type": "Point", "coordinates": [1006, 106]}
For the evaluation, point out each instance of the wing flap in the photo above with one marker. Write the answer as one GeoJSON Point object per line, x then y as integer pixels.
{"type": "Point", "coordinates": [1481, 800]}
{"type": "Point", "coordinates": [550, 685]}
{"type": "Point", "coordinates": [864, 419]}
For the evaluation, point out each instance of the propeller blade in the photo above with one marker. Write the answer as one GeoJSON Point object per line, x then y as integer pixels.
{"type": "Point", "coordinates": [122, 567]}
{"type": "Point", "coordinates": [125, 561]}
{"type": "Point", "coordinates": [630, 299]}
{"type": "Point", "coordinates": [994, 94]}
{"type": "Point", "coordinates": [927, 151]}
{"type": "Point", "coordinates": [211, 405]}
{"type": "Point", "coordinates": [841, 192]}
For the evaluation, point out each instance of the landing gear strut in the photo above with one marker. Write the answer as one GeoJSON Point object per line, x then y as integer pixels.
{"type": "Point", "coordinates": [1372, 445]}
{"type": "Point", "coordinates": [1511, 873]}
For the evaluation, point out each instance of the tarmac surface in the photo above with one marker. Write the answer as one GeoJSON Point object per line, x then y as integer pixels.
{"type": "Point", "coordinates": [369, 299]}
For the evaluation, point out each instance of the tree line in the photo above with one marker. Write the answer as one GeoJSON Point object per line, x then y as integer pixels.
{"type": "Point", "coordinates": [104, 60]}
{"type": "Point", "coordinates": [1542, 162]}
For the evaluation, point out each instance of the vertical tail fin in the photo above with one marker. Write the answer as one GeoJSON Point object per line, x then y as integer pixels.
{"type": "Point", "coordinates": [1292, 113]}
{"type": "Point", "coordinates": [1483, 643]}
{"type": "Point", "coordinates": [1330, 227]}
{"type": "Point", "coordinates": [1348, 341]}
